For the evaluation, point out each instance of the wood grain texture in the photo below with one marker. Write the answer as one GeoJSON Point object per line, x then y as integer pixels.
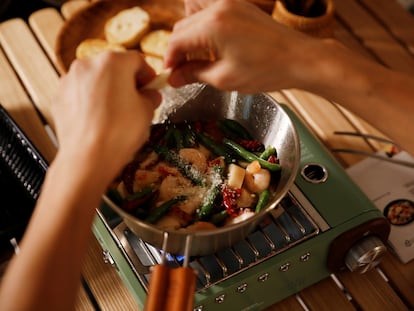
{"type": "Point", "coordinates": [69, 8]}
{"type": "Point", "coordinates": [371, 292]}
{"type": "Point", "coordinates": [400, 277]}
{"type": "Point", "coordinates": [374, 37]}
{"type": "Point", "coordinates": [395, 19]}
{"type": "Point", "coordinates": [46, 24]}
{"type": "Point", "coordinates": [104, 282]}
{"type": "Point", "coordinates": [17, 102]}
{"type": "Point", "coordinates": [30, 63]}
{"type": "Point", "coordinates": [316, 296]}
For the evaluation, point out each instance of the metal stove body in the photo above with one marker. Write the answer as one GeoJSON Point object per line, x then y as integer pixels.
{"type": "Point", "coordinates": [319, 227]}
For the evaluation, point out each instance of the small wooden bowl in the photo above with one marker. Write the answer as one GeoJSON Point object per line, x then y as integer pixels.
{"type": "Point", "coordinates": [319, 26]}
{"type": "Point", "coordinates": [89, 22]}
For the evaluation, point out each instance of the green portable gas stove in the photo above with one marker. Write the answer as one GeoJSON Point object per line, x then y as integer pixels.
{"type": "Point", "coordinates": [325, 223]}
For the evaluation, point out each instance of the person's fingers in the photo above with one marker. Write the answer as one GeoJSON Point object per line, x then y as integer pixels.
{"type": "Point", "coordinates": [214, 73]}
{"type": "Point", "coordinates": [144, 74]}
{"type": "Point", "coordinates": [153, 96]}
{"type": "Point", "coordinates": [186, 73]}
{"type": "Point", "coordinates": [193, 6]}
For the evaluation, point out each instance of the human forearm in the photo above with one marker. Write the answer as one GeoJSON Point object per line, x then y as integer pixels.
{"type": "Point", "coordinates": [55, 242]}
{"type": "Point", "coordinates": [380, 96]}
{"type": "Point", "coordinates": [101, 119]}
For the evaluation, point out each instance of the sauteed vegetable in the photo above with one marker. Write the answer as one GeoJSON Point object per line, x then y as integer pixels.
{"type": "Point", "coordinates": [198, 175]}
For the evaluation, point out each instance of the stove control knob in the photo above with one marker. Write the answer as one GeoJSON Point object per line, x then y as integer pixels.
{"type": "Point", "coordinates": [365, 254]}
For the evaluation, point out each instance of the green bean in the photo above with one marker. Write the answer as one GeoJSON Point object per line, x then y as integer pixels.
{"type": "Point", "coordinates": [236, 128]}
{"type": "Point", "coordinates": [249, 156]}
{"type": "Point", "coordinates": [213, 146]}
{"type": "Point", "coordinates": [212, 194]}
{"type": "Point", "coordinates": [137, 199]}
{"type": "Point", "coordinates": [218, 218]}
{"type": "Point", "coordinates": [163, 209]}
{"type": "Point", "coordinates": [263, 200]}
{"type": "Point", "coordinates": [140, 194]}
{"type": "Point", "coordinates": [269, 151]}
{"type": "Point", "coordinates": [178, 139]}
{"type": "Point", "coordinates": [169, 136]}
{"type": "Point", "coordinates": [189, 138]}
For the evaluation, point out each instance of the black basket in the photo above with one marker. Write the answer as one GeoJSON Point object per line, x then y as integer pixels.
{"type": "Point", "coordinates": [22, 171]}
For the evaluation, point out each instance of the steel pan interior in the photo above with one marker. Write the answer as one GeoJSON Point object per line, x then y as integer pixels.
{"type": "Point", "coordinates": [267, 121]}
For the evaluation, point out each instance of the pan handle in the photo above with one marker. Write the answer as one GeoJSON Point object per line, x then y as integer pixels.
{"type": "Point", "coordinates": [171, 288]}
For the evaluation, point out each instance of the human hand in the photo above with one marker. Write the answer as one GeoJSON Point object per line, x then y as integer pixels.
{"type": "Point", "coordinates": [101, 117]}
{"type": "Point", "coordinates": [252, 52]}
{"type": "Point", "coordinates": [193, 6]}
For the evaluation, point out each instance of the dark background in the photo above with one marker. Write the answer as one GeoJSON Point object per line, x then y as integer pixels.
{"type": "Point", "coordinates": [22, 8]}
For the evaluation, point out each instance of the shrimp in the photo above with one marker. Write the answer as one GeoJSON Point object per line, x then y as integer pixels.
{"type": "Point", "coordinates": [195, 197]}
{"type": "Point", "coordinates": [173, 186]}
{"type": "Point", "coordinates": [256, 178]}
{"type": "Point", "coordinates": [194, 157]}
{"type": "Point", "coordinates": [145, 178]}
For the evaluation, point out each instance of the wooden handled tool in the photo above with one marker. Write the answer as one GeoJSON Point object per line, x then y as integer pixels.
{"type": "Point", "coordinates": [171, 288]}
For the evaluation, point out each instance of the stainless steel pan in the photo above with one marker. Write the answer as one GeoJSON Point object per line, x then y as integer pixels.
{"type": "Point", "coordinates": [267, 121]}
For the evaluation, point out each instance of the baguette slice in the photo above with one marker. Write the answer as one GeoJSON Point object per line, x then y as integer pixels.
{"type": "Point", "coordinates": [127, 27]}
{"type": "Point", "coordinates": [155, 42]}
{"type": "Point", "coordinates": [160, 81]}
{"type": "Point", "coordinates": [155, 62]}
{"type": "Point", "coordinates": [92, 47]}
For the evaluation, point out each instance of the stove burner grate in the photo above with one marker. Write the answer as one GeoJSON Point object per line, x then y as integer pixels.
{"type": "Point", "coordinates": [283, 228]}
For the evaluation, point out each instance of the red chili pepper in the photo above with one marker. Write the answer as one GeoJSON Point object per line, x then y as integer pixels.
{"type": "Point", "coordinates": [198, 126]}
{"type": "Point", "coordinates": [230, 197]}
{"type": "Point", "coordinates": [217, 161]}
{"type": "Point", "coordinates": [129, 206]}
{"type": "Point", "coordinates": [273, 159]}
{"type": "Point", "coordinates": [128, 175]}
{"type": "Point", "coordinates": [157, 132]}
{"type": "Point", "coordinates": [251, 145]}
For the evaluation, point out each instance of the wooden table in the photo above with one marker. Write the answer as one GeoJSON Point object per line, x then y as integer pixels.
{"type": "Point", "coordinates": [379, 29]}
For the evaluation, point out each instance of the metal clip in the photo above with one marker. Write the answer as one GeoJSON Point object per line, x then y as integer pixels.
{"type": "Point", "coordinates": [369, 154]}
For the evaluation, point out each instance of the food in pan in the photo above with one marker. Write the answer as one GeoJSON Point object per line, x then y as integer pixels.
{"type": "Point", "coordinates": [399, 212]}
{"type": "Point", "coordinates": [198, 175]}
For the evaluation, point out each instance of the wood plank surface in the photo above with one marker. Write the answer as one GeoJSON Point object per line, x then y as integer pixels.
{"type": "Point", "coordinates": [289, 304]}
{"type": "Point", "coordinates": [71, 7]}
{"type": "Point", "coordinates": [371, 292]}
{"type": "Point", "coordinates": [317, 301]}
{"type": "Point", "coordinates": [373, 36]}
{"type": "Point", "coordinates": [395, 19]}
{"type": "Point", "coordinates": [400, 276]}
{"type": "Point", "coordinates": [46, 19]}
{"type": "Point", "coordinates": [17, 103]}
{"type": "Point", "coordinates": [31, 64]}
{"type": "Point", "coordinates": [104, 282]}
